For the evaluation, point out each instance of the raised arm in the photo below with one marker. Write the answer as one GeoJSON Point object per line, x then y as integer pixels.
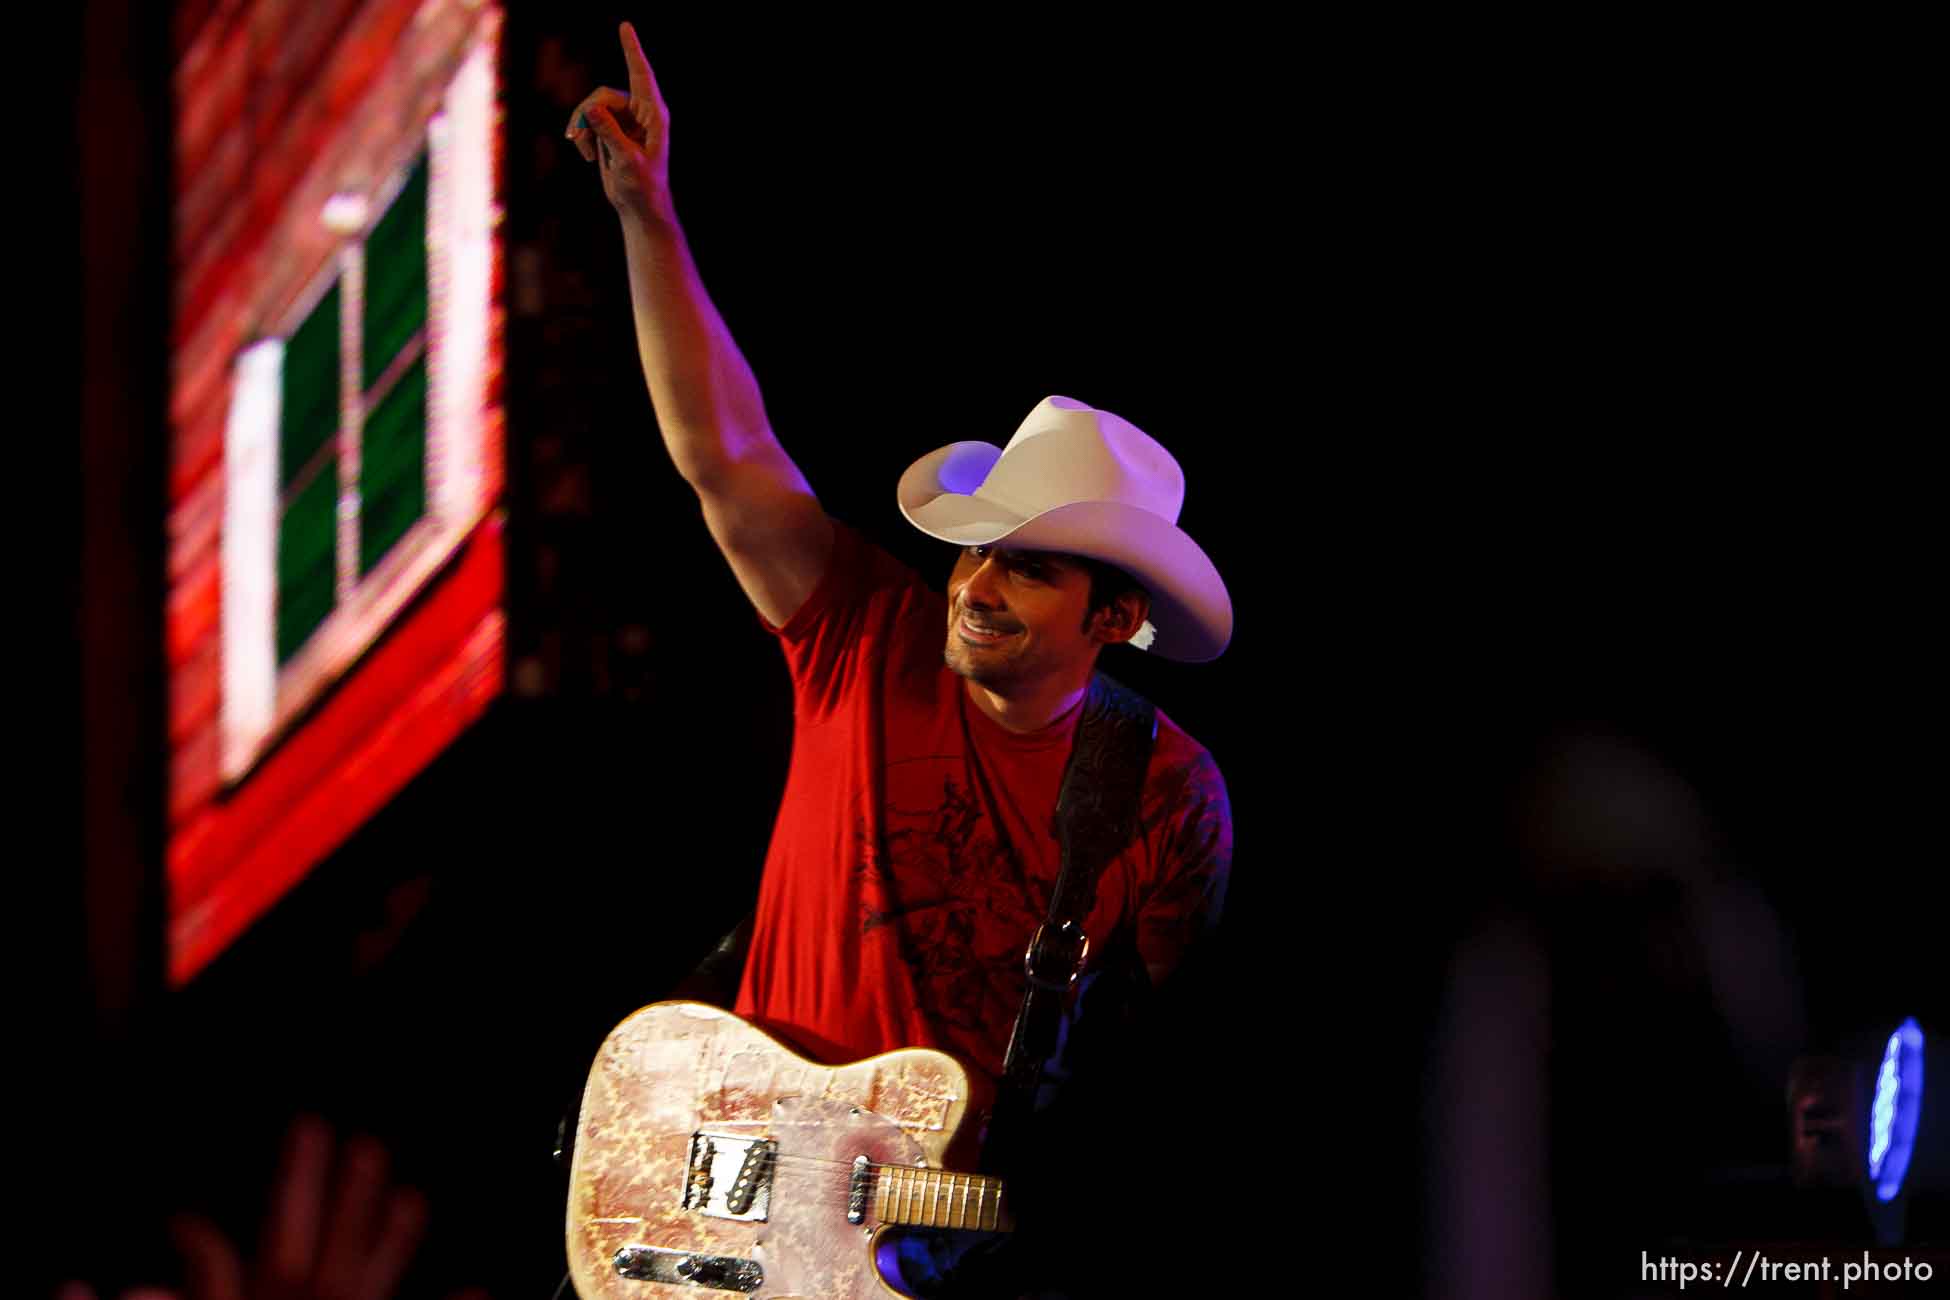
{"type": "Point", "coordinates": [756, 502]}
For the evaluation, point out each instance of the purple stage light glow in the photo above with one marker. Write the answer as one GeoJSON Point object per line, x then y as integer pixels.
{"type": "Point", "coordinates": [965, 467]}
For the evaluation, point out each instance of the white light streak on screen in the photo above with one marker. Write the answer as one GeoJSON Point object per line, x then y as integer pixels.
{"type": "Point", "coordinates": [249, 599]}
{"type": "Point", "coordinates": [460, 231]}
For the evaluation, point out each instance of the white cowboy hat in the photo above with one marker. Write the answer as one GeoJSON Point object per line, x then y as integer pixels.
{"type": "Point", "coordinates": [1080, 481]}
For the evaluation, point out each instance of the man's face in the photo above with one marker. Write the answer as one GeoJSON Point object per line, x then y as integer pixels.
{"type": "Point", "coordinates": [1825, 1110]}
{"type": "Point", "coordinates": [1016, 618]}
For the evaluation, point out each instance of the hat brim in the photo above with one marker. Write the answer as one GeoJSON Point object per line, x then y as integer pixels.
{"type": "Point", "coordinates": [1189, 604]}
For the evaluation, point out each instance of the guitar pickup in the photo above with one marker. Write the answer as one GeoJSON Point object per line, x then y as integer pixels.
{"type": "Point", "coordinates": [730, 1177]}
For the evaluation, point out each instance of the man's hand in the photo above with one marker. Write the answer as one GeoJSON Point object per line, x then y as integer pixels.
{"type": "Point", "coordinates": [628, 135]}
{"type": "Point", "coordinates": [337, 1230]}
{"type": "Point", "coordinates": [348, 1237]}
{"type": "Point", "coordinates": [756, 503]}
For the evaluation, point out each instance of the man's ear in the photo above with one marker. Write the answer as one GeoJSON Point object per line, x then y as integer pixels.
{"type": "Point", "coordinates": [1120, 620]}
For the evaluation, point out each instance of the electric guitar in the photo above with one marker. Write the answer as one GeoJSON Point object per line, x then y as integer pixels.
{"type": "Point", "coordinates": [710, 1158]}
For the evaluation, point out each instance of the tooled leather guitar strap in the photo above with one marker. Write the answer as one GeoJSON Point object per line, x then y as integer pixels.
{"type": "Point", "coordinates": [1096, 816]}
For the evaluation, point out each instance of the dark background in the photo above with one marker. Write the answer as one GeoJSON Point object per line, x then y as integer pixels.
{"type": "Point", "coordinates": [1522, 398]}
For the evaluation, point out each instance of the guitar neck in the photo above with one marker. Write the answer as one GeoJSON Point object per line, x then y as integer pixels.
{"type": "Point", "coordinates": [933, 1198]}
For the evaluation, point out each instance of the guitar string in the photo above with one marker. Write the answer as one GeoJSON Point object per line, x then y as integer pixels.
{"type": "Point", "coordinates": [944, 1183]}
{"type": "Point", "coordinates": [914, 1197]}
{"type": "Point", "coordinates": [913, 1183]}
{"type": "Point", "coordinates": [925, 1181]}
{"type": "Point", "coordinates": [843, 1169]}
{"type": "Point", "coordinates": [920, 1212]}
{"type": "Point", "coordinates": [915, 1208]}
{"type": "Point", "coordinates": [782, 1158]}
{"type": "Point", "coordinates": [923, 1194]}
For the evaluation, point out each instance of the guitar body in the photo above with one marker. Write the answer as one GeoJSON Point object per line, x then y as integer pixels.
{"type": "Point", "coordinates": [688, 1109]}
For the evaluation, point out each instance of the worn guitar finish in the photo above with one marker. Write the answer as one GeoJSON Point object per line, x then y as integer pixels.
{"type": "Point", "coordinates": [718, 1162]}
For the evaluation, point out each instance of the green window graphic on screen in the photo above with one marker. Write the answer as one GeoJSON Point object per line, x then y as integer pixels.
{"type": "Point", "coordinates": [393, 374]}
{"type": "Point", "coordinates": [308, 477]}
{"type": "Point", "coordinates": [391, 416]}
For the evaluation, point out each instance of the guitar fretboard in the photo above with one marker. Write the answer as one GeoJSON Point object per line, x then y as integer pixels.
{"type": "Point", "coordinates": [932, 1198]}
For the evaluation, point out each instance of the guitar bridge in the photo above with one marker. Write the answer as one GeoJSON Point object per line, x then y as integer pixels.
{"type": "Point", "coordinates": [730, 1177]}
{"type": "Point", "coordinates": [682, 1268]}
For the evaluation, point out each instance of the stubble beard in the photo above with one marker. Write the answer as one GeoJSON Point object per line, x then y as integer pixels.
{"type": "Point", "coordinates": [964, 660]}
{"type": "Point", "coordinates": [994, 677]}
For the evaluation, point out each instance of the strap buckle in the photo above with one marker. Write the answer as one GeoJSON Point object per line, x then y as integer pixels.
{"type": "Point", "coordinates": [1069, 935]}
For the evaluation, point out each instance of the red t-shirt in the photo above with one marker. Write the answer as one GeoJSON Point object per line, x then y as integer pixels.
{"type": "Point", "coordinates": [915, 849]}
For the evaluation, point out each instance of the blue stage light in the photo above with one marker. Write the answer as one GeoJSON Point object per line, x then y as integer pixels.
{"type": "Point", "coordinates": [1897, 1107]}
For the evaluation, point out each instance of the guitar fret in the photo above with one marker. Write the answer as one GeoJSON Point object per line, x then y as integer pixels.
{"type": "Point", "coordinates": [938, 1198]}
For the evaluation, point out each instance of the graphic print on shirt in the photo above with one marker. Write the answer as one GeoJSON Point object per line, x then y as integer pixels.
{"type": "Point", "coordinates": [953, 893]}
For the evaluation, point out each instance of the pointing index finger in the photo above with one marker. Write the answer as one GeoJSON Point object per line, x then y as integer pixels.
{"type": "Point", "coordinates": [643, 85]}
